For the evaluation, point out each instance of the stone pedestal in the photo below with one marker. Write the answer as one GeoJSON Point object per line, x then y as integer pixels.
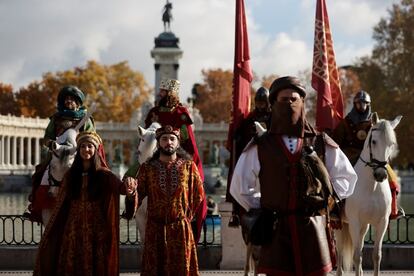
{"type": "Point", "coordinates": [232, 244]}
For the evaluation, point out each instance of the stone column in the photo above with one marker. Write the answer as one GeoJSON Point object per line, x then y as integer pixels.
{"type": "Point", "coordinates": [232, 245]}
{"type": "Point", "coordinates": [29, 152]}
{"type": "Point", "coordinates": [7, 146]}
{"type": "Point", "coordinates": [1, 149]}
{"type": "Point", "coordinates": [21, 156]}
{"type": "Point", "coordinates": [37, 151]}
{"type": "Point", "coordinates": [14, 150]}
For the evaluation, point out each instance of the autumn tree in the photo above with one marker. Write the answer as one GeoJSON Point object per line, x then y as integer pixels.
{"type": "Point", "coordinates": [8, 101]}
{"type": "Point", "coordinates": [213, 95]}
{"type": "Point", "coordinates": [350, 84]}
{"type": "Point", "coordinates": [116, 89]}
{"type": "Point", "coordinates": [388, 74]}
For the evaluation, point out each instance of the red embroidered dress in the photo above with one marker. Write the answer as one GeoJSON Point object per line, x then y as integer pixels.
{"type": "Point", "coordinates": [175, 193]}
{"type": "Point", "coordinates": [82, 236]}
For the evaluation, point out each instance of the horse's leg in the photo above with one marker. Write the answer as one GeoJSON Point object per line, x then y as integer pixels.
{"type": "Point", "coordinates": [377, 252]}
{"type": "Point", "coordinates": [255, 257]}
{"type": "Point", "coordinates": [357, 234]}
{"type": "Point", "coordinates": [339, 250]}
{"type": "Point", "coordinates": [249, 248]}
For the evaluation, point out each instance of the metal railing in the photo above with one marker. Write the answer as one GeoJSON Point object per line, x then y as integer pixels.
{"type": "Point", "coordinates": [16, 230]}
{"type": "Point", "coordinates": [400, 231]}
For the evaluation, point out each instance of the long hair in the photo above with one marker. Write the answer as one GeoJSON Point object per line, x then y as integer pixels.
{"type": "Point", "coordinates": [74, 177]}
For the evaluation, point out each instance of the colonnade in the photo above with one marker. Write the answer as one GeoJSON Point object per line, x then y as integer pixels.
{"type": "Point", "coordinates": [21, 137]}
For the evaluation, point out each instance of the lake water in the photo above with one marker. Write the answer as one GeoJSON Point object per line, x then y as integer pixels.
{"type": "Point", "coordinates": [15, 204]}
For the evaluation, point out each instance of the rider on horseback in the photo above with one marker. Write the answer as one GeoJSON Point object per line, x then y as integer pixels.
{"type": "Point", "coordinates": [350, 135]}
{"type": "Point", "coordinates": [70, 111]}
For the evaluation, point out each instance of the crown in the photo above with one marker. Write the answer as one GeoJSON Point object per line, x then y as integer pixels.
{"type": "Point", "coordinates": [167, 129]}
{"type": "Point", "coordinates": [170, 85]}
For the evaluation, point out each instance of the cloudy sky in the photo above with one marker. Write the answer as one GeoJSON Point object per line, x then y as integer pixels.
{"type": "Point", "coordinates": [38, 36]}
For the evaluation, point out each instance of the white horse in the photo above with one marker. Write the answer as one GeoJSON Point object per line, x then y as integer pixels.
{"type": "Point", "coordinates": [63, 152]}
{"type": "Point", "coordinates": [370, 204]}
{"type": "Point", "coordinates": [146, 148]}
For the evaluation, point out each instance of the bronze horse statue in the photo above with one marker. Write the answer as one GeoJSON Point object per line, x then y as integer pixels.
{"type": "Point", "coordinates": [167, 16]}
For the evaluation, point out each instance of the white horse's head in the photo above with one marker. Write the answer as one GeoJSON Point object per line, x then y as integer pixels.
{"type": "Point", "coordinates": [148, 142]}
{"type": "Point", "coordinates": [63, 153]}
{"type": "Point", "coordinates": [380, 146]}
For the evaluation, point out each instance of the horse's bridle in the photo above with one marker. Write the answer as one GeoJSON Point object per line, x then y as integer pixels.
{"type": "Point", "coordinates": [373, 163]}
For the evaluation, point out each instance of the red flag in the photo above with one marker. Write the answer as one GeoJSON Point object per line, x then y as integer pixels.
{"type": "Point", "coordinates": [325, 77]}
{"type": "Point", "coordinates": [242, 74]}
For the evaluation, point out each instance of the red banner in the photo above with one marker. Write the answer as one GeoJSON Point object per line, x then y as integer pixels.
{"type": "Point", "coordinates": [325, 77]}
{"type": "Point", "coordinates": [242, 74]}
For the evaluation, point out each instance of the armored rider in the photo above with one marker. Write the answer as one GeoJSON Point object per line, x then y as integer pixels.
{"type": "Point", "coordinates": [350, 134]}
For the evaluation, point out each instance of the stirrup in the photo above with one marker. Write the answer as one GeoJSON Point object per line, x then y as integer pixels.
{"type": "Point", "coordinates": [400, 214]}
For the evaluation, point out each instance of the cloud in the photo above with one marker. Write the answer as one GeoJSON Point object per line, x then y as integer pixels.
{"type": "Point", "coordinates": [40, 36]}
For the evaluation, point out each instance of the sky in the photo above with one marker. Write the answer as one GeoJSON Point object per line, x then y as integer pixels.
{"type": "Point", "coordinates": [40, 36]}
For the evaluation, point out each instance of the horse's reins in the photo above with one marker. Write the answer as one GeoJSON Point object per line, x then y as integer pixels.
{"type": "Point", "coordinates": [373, 163]}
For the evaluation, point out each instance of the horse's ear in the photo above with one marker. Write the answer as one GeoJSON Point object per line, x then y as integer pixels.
{"type": "Point", "coordinates": [374, 118]}
{"type": "Point", "coordinates": [396, 121]}
{"type": "Point", "coordinates": [141, 131]}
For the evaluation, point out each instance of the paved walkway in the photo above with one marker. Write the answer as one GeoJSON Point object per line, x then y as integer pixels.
{"type": "Point", "coordinates": [220, 272]}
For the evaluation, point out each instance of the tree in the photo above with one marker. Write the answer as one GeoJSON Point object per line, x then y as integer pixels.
{"type": "Point", "coordinates": [214, 95]}
{"type": "Point", "coordinates": [388, 74]}
{"type": "Point", "coordinates": [8, 100]}
{"type": "Point", "coordinates": [350, 84]}
{"type": "Point", "coordinates": [116, 89]}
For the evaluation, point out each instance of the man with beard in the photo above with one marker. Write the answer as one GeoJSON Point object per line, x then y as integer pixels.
{"type": "Point", "coordinates": [169, 111]}
{"type": "Point", "coordinates": [174, 188]}
{"type": "Point", "coordinates": [282, 173]}
{"type": "Point", "coordinates": [350, 134]}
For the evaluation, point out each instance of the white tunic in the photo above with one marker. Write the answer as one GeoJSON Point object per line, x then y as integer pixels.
{"type": "Point", "coordinates": [245, 185]}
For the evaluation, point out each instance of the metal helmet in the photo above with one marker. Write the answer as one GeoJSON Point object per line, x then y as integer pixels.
{"type": "Point", "coordinates": [362, 96]}
{"type": "Point", "coordinates": [262, 94]}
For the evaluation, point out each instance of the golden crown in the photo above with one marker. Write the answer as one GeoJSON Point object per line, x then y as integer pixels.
{"type": "Point", "coordinates": [170, 85]}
